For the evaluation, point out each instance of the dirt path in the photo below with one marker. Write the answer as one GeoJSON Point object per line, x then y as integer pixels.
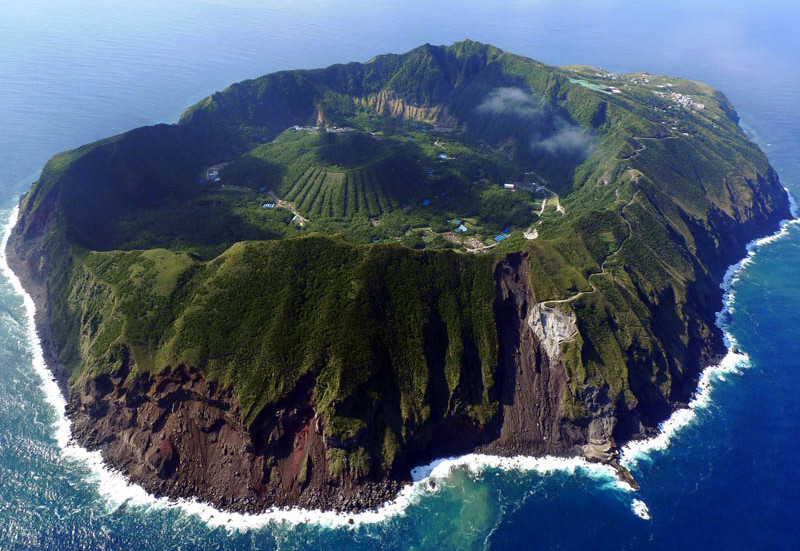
{"type": "Point", "coordinates": [302, 220]}
{"type": "Point", "coordinates": [483, 249]}
{"type": "Point", "coordinates": [559, 208]}
{"type": "Point", "coordinates": [533, 232]}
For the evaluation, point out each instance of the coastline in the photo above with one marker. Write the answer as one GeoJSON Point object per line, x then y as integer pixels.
{"type": "Point", "coordinates": [118, 491]}
{"type": "Point", "coordinates": [113, 486]}
{"type": "Point", "coordinates": [731, 363]}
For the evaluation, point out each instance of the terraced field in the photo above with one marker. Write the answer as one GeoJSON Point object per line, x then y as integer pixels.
{"type": "Point", "coordinates": [372, 189]}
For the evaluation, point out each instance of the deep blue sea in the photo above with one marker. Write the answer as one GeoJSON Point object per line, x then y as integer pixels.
{"type": "Point", "coordinates": [725, 475]}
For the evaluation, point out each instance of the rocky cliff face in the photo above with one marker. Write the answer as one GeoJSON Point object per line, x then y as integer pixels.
{"type": "Point", "coordinates": [179, 435]}
{"type": "Point", "coordinates": [388, 103]}
{"type": "Point", "coordinates": [531, 376]}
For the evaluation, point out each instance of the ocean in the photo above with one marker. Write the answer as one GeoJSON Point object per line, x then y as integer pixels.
{"type": "Point", "coordinates": [722, 475]}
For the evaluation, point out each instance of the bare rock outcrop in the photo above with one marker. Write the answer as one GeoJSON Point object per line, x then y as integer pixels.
{"type": "Point", "coordinates": [531, 376]}
{"type": "Point", "coordinates": [177, 434]}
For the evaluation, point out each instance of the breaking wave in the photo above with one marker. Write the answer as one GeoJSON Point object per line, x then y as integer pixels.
{"type": "Point", "coordinates": [732, 363]}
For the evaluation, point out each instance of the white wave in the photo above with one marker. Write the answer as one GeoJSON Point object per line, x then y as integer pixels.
{"type": "Point", "coordinates": [49, 385]}
{"type": "Point", "coordinates": [117, 491]}
{"type": "Point", "coordinates": [640, 509]}
{"type": "Point", "coordinates": [793, 207]}
{"type": "Point", "coordinates": [637, 450]}
{"type": "Point", "coordinates": [476, 463]}
{"type": "Point", "coordinates": [732, 363]}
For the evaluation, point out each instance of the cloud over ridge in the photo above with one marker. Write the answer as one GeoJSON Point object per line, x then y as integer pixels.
{"type": "Point", "coordinates": [509, 101]}
{"type": "Point", "coordinates": [568, 139]}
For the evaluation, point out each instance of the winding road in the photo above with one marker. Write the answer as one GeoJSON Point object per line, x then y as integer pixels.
{"type": "Point", "coordinates": [642, 147]}
{"type": "Point", "coordinates": [533, 232]}
{"type": "Point", "coordinates": [602, 271]}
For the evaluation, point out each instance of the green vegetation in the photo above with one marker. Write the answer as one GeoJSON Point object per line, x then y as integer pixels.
{"type": "Point", "coordinates": [327, 251]}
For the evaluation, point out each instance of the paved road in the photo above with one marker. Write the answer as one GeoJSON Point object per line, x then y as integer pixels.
{"type": "Point", "coordinates": [602, 271]}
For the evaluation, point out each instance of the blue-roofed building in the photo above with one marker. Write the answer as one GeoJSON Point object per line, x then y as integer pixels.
{"type": "Point", "coordinates": [425, 202]}
{"type": "Point", "coordinates": [268, 206]}
{"type": "Point", "coordinates": [442, 156]}
{"type": "Point", "coordinates": [499, 238]}
{"type": "Point", "coordinates": [461, 228]}
{"type": "Point", "coordinates": [507, 229]}
{"type": "Point", "coordinates": [262, 188]}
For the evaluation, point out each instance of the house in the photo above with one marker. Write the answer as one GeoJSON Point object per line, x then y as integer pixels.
{"type": "Point", "coordinates": [500, 237]}
{"type": "Point", "coordinates": [461, 228]}
{"type": "Point", "coordinates": [512, 187]}
{"type": "Point", "coordinates": [268, 206]}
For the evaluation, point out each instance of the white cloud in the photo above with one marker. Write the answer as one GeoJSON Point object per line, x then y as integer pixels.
{"type": "Point", "coordinates": [509, 101]}
{"type": "Point", "coordinates": [568, 139]}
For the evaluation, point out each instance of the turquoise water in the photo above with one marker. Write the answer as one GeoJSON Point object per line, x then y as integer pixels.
{"type": "Point", "coordinates": [71, 72]}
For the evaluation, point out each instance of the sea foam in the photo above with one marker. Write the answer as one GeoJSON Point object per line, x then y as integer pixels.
{"type": "Point", "coordinates": [732, 363]}
{"type": "Point", "coordinates": [640, 509]}
{"type": "Point", "coordinates": [117, 491]}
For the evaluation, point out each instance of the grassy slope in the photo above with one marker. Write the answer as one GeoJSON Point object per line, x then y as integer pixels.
{"type": "Point", "coordinates": [367, 322]}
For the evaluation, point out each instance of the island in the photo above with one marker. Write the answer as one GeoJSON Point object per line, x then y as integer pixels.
{"type": "Point", "coordinates": [317, 280]}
